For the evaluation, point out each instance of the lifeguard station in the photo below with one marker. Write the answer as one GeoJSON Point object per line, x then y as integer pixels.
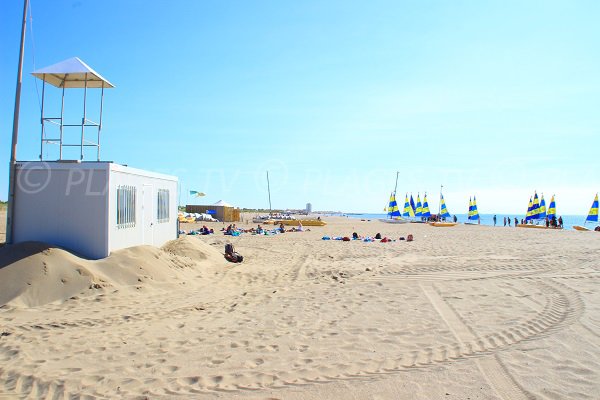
{"type": "Point", "coordinates": [71, 74]}
{"type": "Point", "coordinates": [89, 207]}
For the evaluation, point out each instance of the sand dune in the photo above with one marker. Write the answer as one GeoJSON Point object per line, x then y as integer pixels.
{"type": "Point", "coordinates": [464, 312]}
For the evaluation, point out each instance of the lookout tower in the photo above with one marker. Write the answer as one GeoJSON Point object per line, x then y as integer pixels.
{"type": "Point", "coordinates": [71, 74]}
{"type": "Point", "coordinates": [90, 207]}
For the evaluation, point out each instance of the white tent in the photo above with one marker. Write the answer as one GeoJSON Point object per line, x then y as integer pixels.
{"type": "Point", "coordinates": [222, 203]}
{"type": "Point", "coordinates": [72, 73]}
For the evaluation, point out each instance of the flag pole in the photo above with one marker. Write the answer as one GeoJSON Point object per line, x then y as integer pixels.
{"type": "Point", "coordinates": [10, 216]}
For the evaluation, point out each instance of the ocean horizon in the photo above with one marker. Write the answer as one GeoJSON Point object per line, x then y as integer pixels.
{"type": "Point", "coordinates": [486, 219]}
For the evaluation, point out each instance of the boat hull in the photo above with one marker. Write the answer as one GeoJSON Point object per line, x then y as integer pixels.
{"type": "Point", "coordinates": [395, 221]}
{"type": "Point", "coordinates": [535, 226]}
{"type": "Point", "coordinates": [443, 224]}
{"type": "Point", "coordinates": [581, 228]}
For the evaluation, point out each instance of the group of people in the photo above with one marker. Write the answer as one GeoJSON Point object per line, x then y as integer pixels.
{"type": "Point", "coordinates": [550, 222]}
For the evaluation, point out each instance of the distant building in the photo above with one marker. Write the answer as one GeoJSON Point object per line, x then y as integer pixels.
{"type": "Point", "coordinates": [308, 208]}
{"type": "Point", "coordinates": [221, 210]}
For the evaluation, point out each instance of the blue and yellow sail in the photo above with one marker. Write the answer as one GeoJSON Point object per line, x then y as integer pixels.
{"type": "Point", "coordinates": [470, 208]}
{"type": "Point", "coordinates": [408, 210]}
{"type": "Point", "coordinates": [552, 209]}
{"type": "Point", "coordinates": [443, 209]}
{"type": "Point", "coordinates": [393, 211]}
{"type": "Point", "coordinates": [535, 209]}
{"type": "Point", "coordinates": [542, 214]}
{"type": "Point", "coordinates": [593, 214]}
{"type": "Point", "coordinates": [473, 212]}
{"type": "Point", "coordinates": [412, 204]}
{"type": "Point", "coordinates": [529, 208]}
{"type": "Point", "coordinates": [425, 211]}
{"type": "Point", "coordinates": [419, 209]}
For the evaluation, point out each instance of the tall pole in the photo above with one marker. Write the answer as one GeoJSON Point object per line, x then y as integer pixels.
{"type": "Point", "coordinates": [396, 186]}
{"type": "Point", "coordinates": [440, 206]}
{"type": "Point", "coordinates": [269, 190]}
{"type": "Point", "coordinates": [15, 136]}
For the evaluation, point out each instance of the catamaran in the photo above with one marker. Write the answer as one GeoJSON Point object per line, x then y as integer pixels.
{"type": "Point", "coordinates": [443, 213]}
{"type": "Point", "coordinates": [408, 210]}
{"type": "Point", "coordinates": [536, 212]}
{"type": "Point", "coordinates": [592, 216]}
{"type": "Point", "coordinates": [473, 212]}
{"type": "Point", "coordinates": [394, 216]}
{"type": "Point", "coordinates": [418, 211]}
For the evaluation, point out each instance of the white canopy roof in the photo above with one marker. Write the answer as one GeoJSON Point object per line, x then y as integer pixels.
{"type": "Point", "coordinates": [72, 73]}
{"type": "Point", "coordinates": [222, 203]}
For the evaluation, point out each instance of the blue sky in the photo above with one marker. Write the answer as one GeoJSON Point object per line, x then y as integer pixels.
{"type": "Point", "coordinates": [494, 98]}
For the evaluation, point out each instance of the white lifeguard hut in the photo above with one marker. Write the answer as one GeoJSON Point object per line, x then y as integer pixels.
{"type": "Point", "coordinates": [88, 207]}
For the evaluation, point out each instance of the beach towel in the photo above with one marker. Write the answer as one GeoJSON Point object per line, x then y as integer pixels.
{"type": "Point", "coordinates": [326, 238]}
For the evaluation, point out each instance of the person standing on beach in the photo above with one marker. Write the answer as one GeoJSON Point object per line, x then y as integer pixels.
{"type": "Point", "coordinates": [509, 221]}
{"type": "Point", "coordinates": [494, 219]}
{"type": "Point", "coordinates": [504, 221]}
{"type": "Point", "coordinates": [516, 222]}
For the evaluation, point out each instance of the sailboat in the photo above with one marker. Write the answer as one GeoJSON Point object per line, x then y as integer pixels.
{"type": "Point", "coordinates": [536, 212]}
{"type": "Point", "coordinates": [425, 213]}
{"type": "Point", "coordinates": [418, 211]}
{"type": "Point", "coordinates": [408, 211]}
{"type": "Point", "coordinates": [592, 216]}
{"type": "Point", "coordinates": [473, 212]}
{"type": "Point", "coordinates": [394, 212]}
{"type": "Point", "coordinates": [394, 216]}
{"type": "Point", "coordinates": [443, 214]}
{"type": "Point", "coordinates": [552, 209]}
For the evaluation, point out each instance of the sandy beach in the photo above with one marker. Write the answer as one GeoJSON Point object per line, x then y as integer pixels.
{"type": "Point", "coordinates": [468, 312]}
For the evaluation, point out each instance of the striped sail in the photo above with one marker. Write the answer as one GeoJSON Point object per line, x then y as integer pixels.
{"type": "Point", "coordinates": [529, 208]}
{"type": "Point", "coordinates": [408, 210]}
{"type": "Point", "coordinates": [443, 209]}
{"type": "Point", "coordinates": [593, 214]}
{"type": "Point", "coordinates": [393, 210]}
{"type": "Point", "coordinates": [425, 211]}
{"type": "Point", "coordinates": [552, 209]}
{"type": "Point", "coordinates": [542, 214]}
{"type": "Point", "coordinates": [412, 204]}
{"type": "Point", "coordinates": [535, 209]}
{"type": "Point", "coordinates": [474, 213]}
{"type": "Point", "coordinates": [419, 209]}
{"type": "Point", "coordinates": [470, 209]}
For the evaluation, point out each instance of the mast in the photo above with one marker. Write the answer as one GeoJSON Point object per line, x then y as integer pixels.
{"type": "Point", "coordinates": [440, 206]}
{"type": "Point", "coordinates": [15, 136]}
{"type": "Point", "coordinates": [269, 190]}
{"type": "Point", "coordinates": [396, 186]}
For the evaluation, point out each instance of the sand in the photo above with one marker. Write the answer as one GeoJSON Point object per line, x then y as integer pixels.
{"type": "Point", "coordinates": [468, 312]}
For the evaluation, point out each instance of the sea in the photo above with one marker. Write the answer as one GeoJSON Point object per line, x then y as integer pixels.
{"type": "Point", "coordinates": [486, 219]}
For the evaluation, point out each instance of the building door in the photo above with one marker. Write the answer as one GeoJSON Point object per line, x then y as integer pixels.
{"type": "Point", "coordinates": [147, 215]}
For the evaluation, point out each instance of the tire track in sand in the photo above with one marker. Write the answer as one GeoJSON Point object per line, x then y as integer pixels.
{"type": "Point", "coordinates": [497, 376]}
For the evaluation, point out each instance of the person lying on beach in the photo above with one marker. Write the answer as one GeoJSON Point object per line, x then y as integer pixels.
{"type": "Point", "coordinates": [231, 255]}
{"type": "Point", "coordinates": [281, 228]}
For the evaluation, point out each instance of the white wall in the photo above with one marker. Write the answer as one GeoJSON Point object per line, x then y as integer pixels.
{"type": "Point", "coordinates": [147, 229]}
{"type": "Point", "coordinates": [64, 205]}
{"type": "Point", "coordinates": [73, 205]}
